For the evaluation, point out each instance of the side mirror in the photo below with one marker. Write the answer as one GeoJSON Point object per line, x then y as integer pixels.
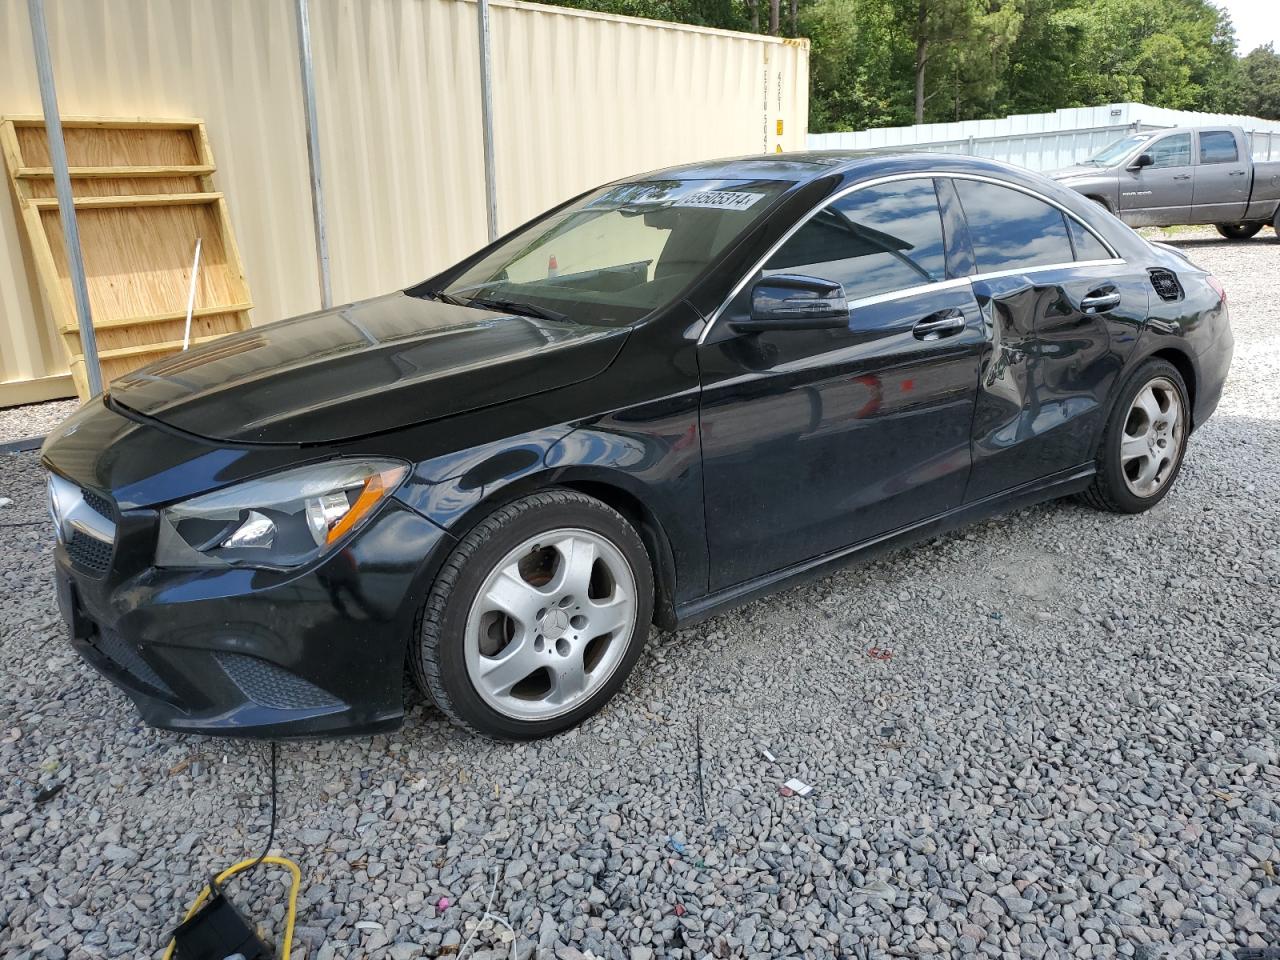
{"type": "Point", "coordinates": [791, 302]}
{"type": "Point", "coordinates": [1142, 160]}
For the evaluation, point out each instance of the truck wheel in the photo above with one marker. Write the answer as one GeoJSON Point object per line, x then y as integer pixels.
{"type": "Point", "coordinates": [1238, 231]}
{"type": "Point", "coordinates": [537, 617]}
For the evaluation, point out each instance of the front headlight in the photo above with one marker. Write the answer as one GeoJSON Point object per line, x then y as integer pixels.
{"type": "Point", "coordinates": [283, 520]}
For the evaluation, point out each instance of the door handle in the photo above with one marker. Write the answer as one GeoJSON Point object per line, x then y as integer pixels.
{"type": "Point", "coordinates": [935, 326]}
{"type": "Point", "coordinates": [1100, 300]}
{"type": "Point", "coordinates": [1182, 176]}
{"type": "Point", "coordinates": [1236, 173]}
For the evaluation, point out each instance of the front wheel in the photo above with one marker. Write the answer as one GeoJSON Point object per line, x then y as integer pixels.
{"type": "Point", "coordinates": [537, 618]}
{"type": "Point", "coordinates": [1238, 231]}
{"type": "Point", "coordinates": [1144, 441]}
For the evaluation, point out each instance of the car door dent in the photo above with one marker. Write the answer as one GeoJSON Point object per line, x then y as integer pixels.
{"type": "Point", "coordinates": [1052, 368]}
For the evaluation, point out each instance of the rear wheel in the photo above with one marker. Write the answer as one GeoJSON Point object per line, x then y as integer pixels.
{"type": "Point", "coordinates": [1238, 231]}
{"type": "Point", "coordinates": [1144, 441]}
{"type": "Point", "coordinates": [537, 617]}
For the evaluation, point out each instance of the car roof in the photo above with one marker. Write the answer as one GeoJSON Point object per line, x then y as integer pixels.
{"type": "Point", "coordinates": [802, 167]}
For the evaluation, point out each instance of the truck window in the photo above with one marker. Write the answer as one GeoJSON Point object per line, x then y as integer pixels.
{"type": "Point", "coordinates": [1172, 151]}
{"type": "Point", "coordinates": [1218, 146]}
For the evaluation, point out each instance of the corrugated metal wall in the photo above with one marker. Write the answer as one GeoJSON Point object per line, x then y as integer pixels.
{"type": "Point", "coordinates": [1044, 141]}
{"type": "Point", "coordinates": [580, 98]}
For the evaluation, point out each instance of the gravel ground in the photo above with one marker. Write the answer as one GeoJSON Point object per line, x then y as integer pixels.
{"type": "Point", "coordinates": [34, 420]}
{"type": "Point", "coordinates": [1050, 735]}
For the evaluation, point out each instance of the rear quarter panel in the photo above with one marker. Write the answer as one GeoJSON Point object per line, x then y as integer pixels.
{"type": "Point", "coordinates": [1265, 196]}
{"type": "Point", "coordinates": [1197, 328]}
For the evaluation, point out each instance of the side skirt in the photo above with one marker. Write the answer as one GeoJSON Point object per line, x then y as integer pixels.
{"type": "Point", "coordinates": [1060, 484]}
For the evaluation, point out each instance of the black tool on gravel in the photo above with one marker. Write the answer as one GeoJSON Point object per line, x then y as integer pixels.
{"type": "Point", "coordinates": [214, 929]}
{"type": "Point", "coordinates": [218, 931]}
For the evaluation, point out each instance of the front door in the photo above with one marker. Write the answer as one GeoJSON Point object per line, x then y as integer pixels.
{"type": "Point", "coordinates": [817, 440]}
{"type": "Point", "coordinates": [1161, 192]}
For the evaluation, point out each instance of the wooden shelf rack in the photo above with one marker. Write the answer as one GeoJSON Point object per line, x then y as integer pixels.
{"type": "Point", "coordinates": [143, 192]}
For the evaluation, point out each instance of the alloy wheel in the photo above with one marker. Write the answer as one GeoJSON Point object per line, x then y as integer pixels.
{"type": "Point", "coordinates": [550, 624]}
{"type": "Point", "coordinates": [1152, 438]}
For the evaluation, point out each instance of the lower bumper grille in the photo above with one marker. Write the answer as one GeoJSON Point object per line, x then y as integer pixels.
{"type": "Point", "coordinates": [123, 655]}
{"type": "Point", "coordinates": [269, 686]}
{"type": "Point", "coordinates": [89, 553]}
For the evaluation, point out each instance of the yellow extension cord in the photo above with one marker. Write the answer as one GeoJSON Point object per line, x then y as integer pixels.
{"type": "Point", "coordinates": [230, 872]}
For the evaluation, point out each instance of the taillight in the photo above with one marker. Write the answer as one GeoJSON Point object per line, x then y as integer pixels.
{"type": "Point", "coordinates": [1218, 288]}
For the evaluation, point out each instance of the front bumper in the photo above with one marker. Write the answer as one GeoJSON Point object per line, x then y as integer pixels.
{"type": "Point", "coordinates": [255, 653]}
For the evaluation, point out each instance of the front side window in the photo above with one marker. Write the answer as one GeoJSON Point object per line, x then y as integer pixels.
{"type": "Point", "coordinates": [618, 253]}
{"type": "Point", "coordinates": [1012, 230]}
{"type": "Point", "coordinates": [872, 241]}
{"type": "Point", "coordinates": [1117, 151]}
{"type": "Point", "coordinates": [1218, 146]}
{"type": "Point", "coordinates": [1174, 151]}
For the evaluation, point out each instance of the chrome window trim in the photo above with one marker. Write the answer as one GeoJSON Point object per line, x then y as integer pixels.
{"type": "Point", "coordinates": [940, 284]}
{"type": "Point", "coordinates": [1017, 272]}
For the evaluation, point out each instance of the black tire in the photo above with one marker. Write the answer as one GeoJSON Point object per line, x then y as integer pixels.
{"type": "Point", "coordinates": [1239, 231]}
{"type": "Point", "coordinates": [437, 655]}
{"type": "Point", "coordinates": [1109, 490]}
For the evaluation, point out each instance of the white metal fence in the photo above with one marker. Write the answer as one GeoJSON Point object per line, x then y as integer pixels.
{"type": "Point", "coordinates": [1045, 141]}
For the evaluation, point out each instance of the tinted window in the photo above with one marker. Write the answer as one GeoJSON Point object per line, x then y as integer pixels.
{"type": "Point", "coordinates": [1218, 146]}
{"type": "Point", "coordinates": [875, 240]}
{"type": "Point", "coordinates": [1172, 151]}
{"type": "Point", "coordinates": [1088, 247]}
{"type": "Point", "coordinates": [1011, 230]}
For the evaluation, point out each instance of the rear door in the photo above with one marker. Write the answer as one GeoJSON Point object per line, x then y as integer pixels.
{"type": "Point", "coordinates": [1064, 313]}
{"type": "Point", "coordinates": [1160, 193]}
{"type": "Point", "coordinates": [817, 440]}
{"type": "Point", "coordinates": [1221, 178]}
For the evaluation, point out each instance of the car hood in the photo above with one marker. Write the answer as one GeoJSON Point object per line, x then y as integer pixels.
{"type": "Point", "coordinates": [1079, 170]}
{"type": "Point", "coordinates": [362, 369]}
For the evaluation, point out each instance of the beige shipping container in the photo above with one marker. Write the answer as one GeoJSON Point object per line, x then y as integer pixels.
{"type": "Point", "coordinates": [579, 98]}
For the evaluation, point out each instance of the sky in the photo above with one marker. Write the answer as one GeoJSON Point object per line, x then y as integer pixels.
{"type": "Point", "coordinates": [1256, 21]}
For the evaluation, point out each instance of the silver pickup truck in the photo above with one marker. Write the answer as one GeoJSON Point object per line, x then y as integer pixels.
{"type": "Point", "coordinates": [1182, 175]}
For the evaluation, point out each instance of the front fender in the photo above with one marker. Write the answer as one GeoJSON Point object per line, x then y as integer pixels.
{"type": "Point", "coordinates": [1105, 189]}
{"type": "Point", "coordinates": [649, 455]}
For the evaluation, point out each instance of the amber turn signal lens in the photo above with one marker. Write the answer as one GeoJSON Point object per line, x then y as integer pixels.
{"type": "Point", "coordinates": [375, 488]}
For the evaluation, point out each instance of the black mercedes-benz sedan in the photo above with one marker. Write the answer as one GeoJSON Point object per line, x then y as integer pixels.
{"type": "Point", "coordinates": [670, 394]}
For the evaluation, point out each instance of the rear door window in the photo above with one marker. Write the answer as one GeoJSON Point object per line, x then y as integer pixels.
{"type": "Point", "coordinates": [875, 240]}
{"type": "Point", "coordinates": [1218, 146]}
{"type": "Point", "coordinates": [1012, 230]}
{"type": "Point", "coordinates": [1087, 246]}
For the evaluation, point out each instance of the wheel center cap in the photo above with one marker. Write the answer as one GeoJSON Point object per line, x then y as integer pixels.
{"type": "Point", "coordinates": [555, 624]}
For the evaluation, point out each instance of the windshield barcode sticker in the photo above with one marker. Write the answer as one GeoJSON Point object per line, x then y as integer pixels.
{"type": "Point", "coordinates": [719, 200]}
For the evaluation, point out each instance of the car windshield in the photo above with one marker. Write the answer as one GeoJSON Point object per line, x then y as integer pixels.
{"type": "Point", "coordinates": [618, 253]}
{"type": "Point", "coordinates": [1118, 150]}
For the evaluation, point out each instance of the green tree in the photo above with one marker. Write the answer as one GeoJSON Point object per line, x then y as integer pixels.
{"type": "Point", "coordinates": [889, 62]}
{"type": "Point", "coordinates": [1259, 88]}
{"type": "Point", "coordinates": [857, 55]}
